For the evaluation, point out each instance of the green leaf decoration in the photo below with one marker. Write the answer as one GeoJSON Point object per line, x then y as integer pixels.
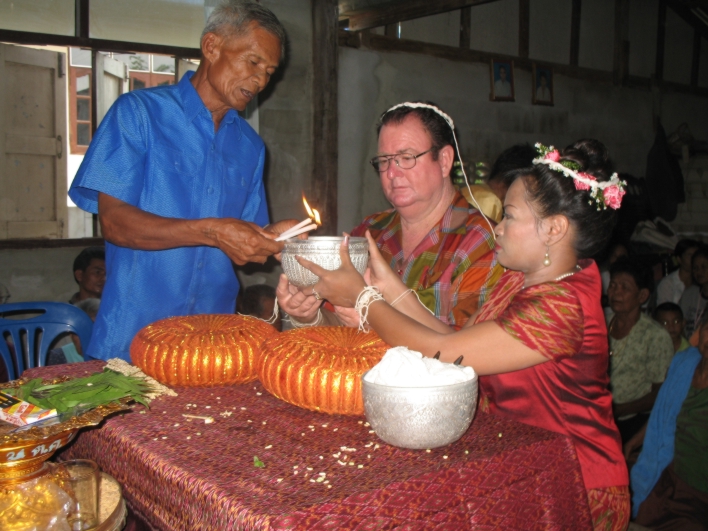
{"type": "Point", "coordinates": [92, 391]}
{"type": "Point", "coordinates": [257, 462]}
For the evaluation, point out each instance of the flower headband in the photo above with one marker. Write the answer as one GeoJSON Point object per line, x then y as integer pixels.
{"type": "Point", "coordinates": [612, 190]}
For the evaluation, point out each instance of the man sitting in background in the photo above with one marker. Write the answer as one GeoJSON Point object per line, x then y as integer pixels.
{"type": "Point", "coordinates": [89, 274]}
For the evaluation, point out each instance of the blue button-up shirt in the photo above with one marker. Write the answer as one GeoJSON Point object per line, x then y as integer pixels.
{"type": "Point", "coordinates": [156, 149]}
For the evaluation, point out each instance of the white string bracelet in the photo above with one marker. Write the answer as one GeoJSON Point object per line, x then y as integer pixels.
{"type": "Point", "coordinates": [298, 324]}
{"type": "Point", "coordinates": [401, 297]}
{"type": "Point", "coordinates": [368, 295]}
{"type": "Point", "coordinates": [273, 318]}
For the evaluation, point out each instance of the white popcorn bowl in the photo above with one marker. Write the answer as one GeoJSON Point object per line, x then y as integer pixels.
{"type": "Point", "coordinates": [420, 417]}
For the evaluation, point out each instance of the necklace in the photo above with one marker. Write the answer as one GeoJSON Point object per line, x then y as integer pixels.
{"type": "Point", "coordinates": [620, 343]}
{"type": "Point", "coordinates": [564, 275]}
{"type": "Point", "coordinates": [569, 274]}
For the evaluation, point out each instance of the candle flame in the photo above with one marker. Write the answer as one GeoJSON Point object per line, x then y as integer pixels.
{"type": "Point", "coordinates": [317, 216]}
{"type": "Point", "coordinates": [307, 207]}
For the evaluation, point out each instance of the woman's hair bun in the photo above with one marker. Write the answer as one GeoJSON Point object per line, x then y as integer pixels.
{"type": "Point", "coordinates": [592, 155]}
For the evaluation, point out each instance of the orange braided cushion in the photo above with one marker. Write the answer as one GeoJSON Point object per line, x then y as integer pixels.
{"type": "Point", "coordinates": [320, 368]}
{"type": "Point", "coordinates": [201, 350]}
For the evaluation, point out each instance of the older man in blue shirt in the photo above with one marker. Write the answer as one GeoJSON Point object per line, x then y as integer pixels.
{"type": "Point", "coordinates": [175, 176]}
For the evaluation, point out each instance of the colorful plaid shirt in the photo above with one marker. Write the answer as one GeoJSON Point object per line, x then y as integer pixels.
{"type": "Point", "coordinates": [452, 269]}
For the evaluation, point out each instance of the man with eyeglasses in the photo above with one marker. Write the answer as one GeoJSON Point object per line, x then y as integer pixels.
{"type": "Point", "coordinates": [440, 246]}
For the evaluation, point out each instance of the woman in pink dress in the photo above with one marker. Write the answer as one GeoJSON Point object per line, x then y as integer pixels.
{"type": "Point", "coordinates": [539, 343]}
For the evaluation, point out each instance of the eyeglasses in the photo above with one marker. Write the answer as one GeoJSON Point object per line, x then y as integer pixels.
{"type": "Point", "coordinates": [405, 161]}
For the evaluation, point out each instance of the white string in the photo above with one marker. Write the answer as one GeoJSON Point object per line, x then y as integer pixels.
{"type": "Point", "coordinates": [367, 296]}
{"type": "Point", "coordinates": [273, 318]}
{"type": "Point", "coordinates": [400, 297]}
{"type": "Point", "coordinates": [298, 324]}
{"type": "Point", "coordinates": [436, 110]}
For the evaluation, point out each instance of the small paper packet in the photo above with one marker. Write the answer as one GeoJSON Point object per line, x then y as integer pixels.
{"type": "Point", "coordinates": [21, 413]}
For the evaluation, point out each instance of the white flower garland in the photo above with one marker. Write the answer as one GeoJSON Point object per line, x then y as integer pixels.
{"type": "Point", "coordinates": [594, 185]}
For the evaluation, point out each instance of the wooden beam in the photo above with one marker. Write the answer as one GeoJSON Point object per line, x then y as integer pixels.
{"type": "Point", "coordinates": [575, 32]}
{"type": "Point", "coordinates": [660, 41]}
{"type": "Point", "coordinates": [45, 39]}
{"type": "Point", "coordinates": [81, 21]}
{"type": "Point", "coordinates": [620, 68]}
{"type": "Point", "coordinates": [689, 17]}
{"type": "Point", "coordinates": [524, 39]}
{"type": "Point", "coordinates": [411, 9]}
{"type": "Point", "coordinates": [381, 43]}
{"type": "Point", "coordinates": [696, 59]}
{"type": "Point", "coordinates": [465, 27]}
{"type": "Point", "coordinates": [325, 53]}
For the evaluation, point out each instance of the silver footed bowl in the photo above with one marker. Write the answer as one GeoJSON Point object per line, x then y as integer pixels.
{"type": "Point", "coordinates": [324, 251]}
{"type": "Point", "coordinates": [420, 417]}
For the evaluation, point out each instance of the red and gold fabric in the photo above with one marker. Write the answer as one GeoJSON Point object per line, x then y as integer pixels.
{"type": "Point", "coordinates": [567, 394]}
{"type": "Point", "coordinates": [179, 474]}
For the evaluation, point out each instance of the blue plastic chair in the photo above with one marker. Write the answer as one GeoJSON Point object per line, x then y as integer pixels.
{"type": "Point", "coordinates": [32, 336]}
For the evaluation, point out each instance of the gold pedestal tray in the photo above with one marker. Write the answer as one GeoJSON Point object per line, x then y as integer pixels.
{"type": "Point", "coordinates": [23, 454]}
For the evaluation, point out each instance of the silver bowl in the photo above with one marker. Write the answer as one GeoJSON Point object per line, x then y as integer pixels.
{"type": "Point", "coordinates": [324, 251]}
{"type": "Point", "coordinates": [420, 417]}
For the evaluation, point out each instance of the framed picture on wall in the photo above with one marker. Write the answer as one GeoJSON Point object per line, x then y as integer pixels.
{"type": "Point", "coordinates": [502, 79]}
{"type": "Point", "coordinates": [542, 86]}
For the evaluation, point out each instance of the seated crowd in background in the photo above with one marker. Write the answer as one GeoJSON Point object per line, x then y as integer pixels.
{"type": "Point", "coordinates": [670, 479]}
{"type": "Point", "coordinates": [640, 348]}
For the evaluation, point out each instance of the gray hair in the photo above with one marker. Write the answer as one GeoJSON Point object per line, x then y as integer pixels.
{"type": "Point", "coordinates": [232, 18]}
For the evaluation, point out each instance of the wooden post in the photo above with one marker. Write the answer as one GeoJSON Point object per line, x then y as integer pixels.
{"type": "Point", "coordinates": [575, 32]}
{"type": "Point", "coordinates": [524, 11]}
{"type": "Point", "coordinates": [696, 60]}
{"type": "Point", "coordinates": [465, 27]}
{"type": "Point", "coordinates": [323, 189]}
{"type": "Point", "coordinates": [660, 40]}
{"type": "Point", "coordinates": [620, 68]}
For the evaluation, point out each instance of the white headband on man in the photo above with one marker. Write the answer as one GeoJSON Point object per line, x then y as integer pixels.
{"type": "Point", "coordinates": [448, 120]}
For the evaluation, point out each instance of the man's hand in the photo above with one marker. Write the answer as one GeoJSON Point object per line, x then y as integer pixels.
{"type": "Point", "coordinates": [295, 302]}
{"type": "Point", "coordinates": [128, 226]}
{"type": "Point", "coordinates": [244, 242]}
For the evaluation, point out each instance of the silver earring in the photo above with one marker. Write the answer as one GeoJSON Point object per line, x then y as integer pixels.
{"type": "Point", "coordinates": [547, 258]}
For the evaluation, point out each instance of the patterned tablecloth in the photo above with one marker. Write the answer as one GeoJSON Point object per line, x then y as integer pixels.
{"type": "Point", "coordinates": [182, 474]}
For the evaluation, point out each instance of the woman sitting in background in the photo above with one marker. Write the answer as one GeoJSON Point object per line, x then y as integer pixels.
{"type": "Point", "coordinates": [640, 348]}
{"type": "Point", "coordinates": [670, 479]}
{"type": "Point", "coordinates": [674, 284]}
{"type": "Point", "coordinates": [694, 299]}
{"type": "Point", "coordinates": [540, 341]}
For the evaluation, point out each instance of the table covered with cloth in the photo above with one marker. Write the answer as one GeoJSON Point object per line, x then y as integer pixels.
{"type": "Point", "coordinates": [322, 471]}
